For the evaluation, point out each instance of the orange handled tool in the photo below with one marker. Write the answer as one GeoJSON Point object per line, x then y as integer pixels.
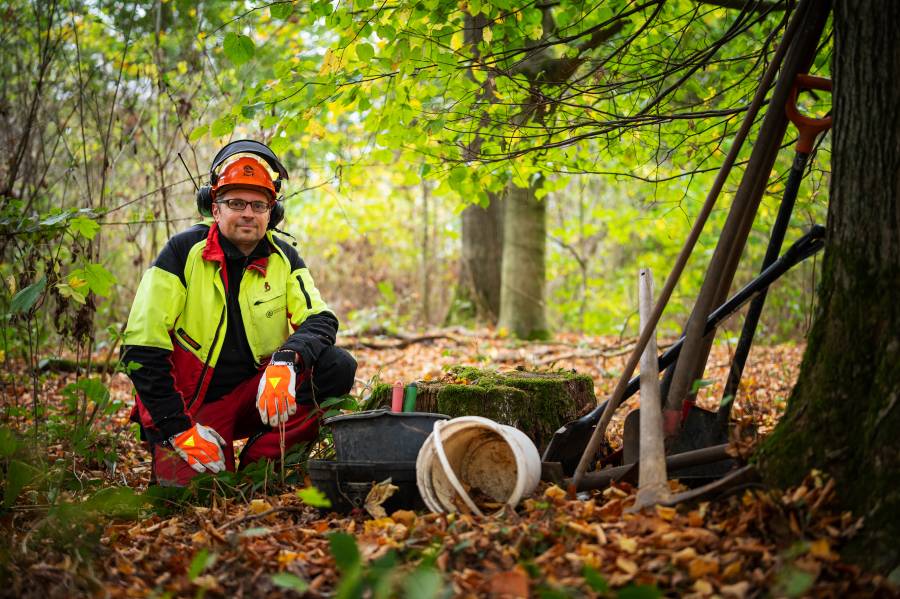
{"type": "Point", "coordinates": [809, 127]}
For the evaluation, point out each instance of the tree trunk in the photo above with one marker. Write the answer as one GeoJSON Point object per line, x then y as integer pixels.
{"type": "Point", "coordinates": [522, 306]}
{"type": "Point", "coordinates": [843, 416]}
{"type": "Point", "coordinates": [482, 255]}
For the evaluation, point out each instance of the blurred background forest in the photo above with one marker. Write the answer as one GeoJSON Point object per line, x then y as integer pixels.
{"type": "Point", "coordinates": [414, 134]}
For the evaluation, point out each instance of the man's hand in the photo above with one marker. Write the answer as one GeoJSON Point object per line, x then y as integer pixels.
{"type": "Point", "coordinates": [276, 397]}
{"type": "Point", "coordinates": [201, 447]}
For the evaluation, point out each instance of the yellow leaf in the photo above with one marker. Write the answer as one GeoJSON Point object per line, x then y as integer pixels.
{"type": "Point", "coordinates": [258, 506]}
{"type": "Point", "coordinates": [457, 40]}
{"type": "Point", "coordinates": [703, 587]}
{"type": "Point", "coordinates": [627, 544]}
{"type": "Point", "coordinates": [487, 35]}
{"type": "Point", "coordinates": [626, 565]}
{"type": "Point", "coordinates": [822, 550]}
{"type": "Point", "coordinates": [285, 557]}
{"type": "Point", "coordinates": [554, 492]}
{"type": "Point", "coordinates": [666, 513]}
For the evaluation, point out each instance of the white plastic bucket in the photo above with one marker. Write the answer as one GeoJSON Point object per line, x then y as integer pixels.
{"type": "Point", "coordinates": [473, 453]}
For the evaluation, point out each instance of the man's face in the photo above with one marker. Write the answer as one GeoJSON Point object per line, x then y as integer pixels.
{"type": "Point", "coordinates": [245, 228]}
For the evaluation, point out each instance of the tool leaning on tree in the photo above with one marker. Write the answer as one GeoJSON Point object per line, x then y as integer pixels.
{"type": "Point", "coordinates": [698, 427]}
{"type": "Point", "coordinates": [569, 441]}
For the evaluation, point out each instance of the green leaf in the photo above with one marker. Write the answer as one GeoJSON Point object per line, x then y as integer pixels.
{"type": "Point", "coordinates": [99, 280]}
{"type": "Point", "coordinates": [423, 583]}
{"type": "Point", "coordinates": [18, 475]}
{"type": "Point", "coordinates": [8, 442]}
{"type": "Point", "coordinates": [197, 133]}
{"type": "Point", "coordinates": [223, 126]}
{"type": "Point", "coordinates": [290, 581]}
{"type": "Point", "coordinates": [238, 48]}
{"type": "Point", "coordinates": [365, 51]}
{"type": "Point", "coordinates": [249, 111]}
{"type": "Point", "coordinates": [203, 559]}
{"type": "Point", "coordinates": [595, 580]}
{"type": "Point", "coordinates": [25, 299]}
{"type": "Point", "coordinates": [281, 10]}
{"type": "Point", "coordinates": [641, 591]}
{"type": "Point", "coordinates": [314, 497]}
{"type": "Point", "coordinates": [699, 384]}
{"type": "Point", "coordinates": [66, 290]}
{"type": "Point", "coordinates": [726, 401]}
{"type": "Point", "coordinates": [794, 582]}
{"type": "Point", "coordinates": [117, 502]}
{"type": "Point", "coordinates": [344, 550]}
{"type": "Point", "coordinates": [85, 227]}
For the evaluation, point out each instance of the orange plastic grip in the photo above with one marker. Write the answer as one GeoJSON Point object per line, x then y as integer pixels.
{"type": "Point", "coordinates": [808, 127]}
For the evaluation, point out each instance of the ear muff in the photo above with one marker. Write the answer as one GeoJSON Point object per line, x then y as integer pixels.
{"type": "Point", "coordinates": [204, 200]}
{"type": "Point", "coordinates": [276, 214]}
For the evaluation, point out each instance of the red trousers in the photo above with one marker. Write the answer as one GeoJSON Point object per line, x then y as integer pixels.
{"type": "Point", "coordinates": [235, 416]}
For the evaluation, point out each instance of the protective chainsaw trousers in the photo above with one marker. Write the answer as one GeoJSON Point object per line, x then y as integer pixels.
{"type": "Point", "coordinates": [235, 416]}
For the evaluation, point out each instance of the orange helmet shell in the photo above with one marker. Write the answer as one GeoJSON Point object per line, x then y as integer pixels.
{"type": "Point", "coordinates": [244, 172]}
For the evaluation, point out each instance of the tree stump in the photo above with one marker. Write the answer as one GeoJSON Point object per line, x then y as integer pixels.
{"type": "Point", "coordinates": [537, 403]}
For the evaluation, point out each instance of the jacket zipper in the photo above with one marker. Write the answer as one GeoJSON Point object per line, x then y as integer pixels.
{"type": "Point", "coordinates": [206, 363]}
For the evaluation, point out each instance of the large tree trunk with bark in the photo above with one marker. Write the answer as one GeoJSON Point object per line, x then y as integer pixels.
{"type": "Point", "coordinates": [522, 307]}
{"type": "Point", "coordinates": [482, 255]}
{"type": "Point", "coordinates": [843, 416]}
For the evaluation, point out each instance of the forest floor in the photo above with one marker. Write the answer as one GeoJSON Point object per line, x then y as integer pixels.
{"type": "Point", "coordinates": [757, 542]}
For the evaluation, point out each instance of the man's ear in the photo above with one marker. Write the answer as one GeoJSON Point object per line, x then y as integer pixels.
{"type": "Point", "coordinates": [215, 211]}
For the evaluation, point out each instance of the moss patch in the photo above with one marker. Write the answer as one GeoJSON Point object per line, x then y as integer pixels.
{"type": "Point", "coordinates": [537, 403]}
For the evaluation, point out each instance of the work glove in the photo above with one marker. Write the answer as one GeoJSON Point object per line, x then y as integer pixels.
{"type": "Point", "coordinates": [201, 447]}
{"type": "Point", "coordinates": [276, 397]}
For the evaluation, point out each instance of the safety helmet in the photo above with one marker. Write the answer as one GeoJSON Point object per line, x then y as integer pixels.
{"type": "Point", "coordinates": [244, 172]}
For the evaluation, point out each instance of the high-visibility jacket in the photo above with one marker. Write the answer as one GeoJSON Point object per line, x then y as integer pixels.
{"type": "Point", "coordinates": [177, 322]}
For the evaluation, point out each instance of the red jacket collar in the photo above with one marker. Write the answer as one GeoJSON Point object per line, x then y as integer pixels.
{"type": "Point", "coordinates": [214, 252]}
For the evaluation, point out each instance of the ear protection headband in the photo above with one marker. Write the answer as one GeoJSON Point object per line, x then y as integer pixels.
{"type": "Point", "coordinates": [244, 146]}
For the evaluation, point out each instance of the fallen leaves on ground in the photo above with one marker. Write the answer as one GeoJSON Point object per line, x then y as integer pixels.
{"type": "Point", "coordinates": [754, 542]}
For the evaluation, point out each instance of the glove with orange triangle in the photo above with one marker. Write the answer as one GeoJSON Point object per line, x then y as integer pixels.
{"type": "Point", "coordinates": [276, 397]}
{"type": "Point", "coordinates": [201, 447]}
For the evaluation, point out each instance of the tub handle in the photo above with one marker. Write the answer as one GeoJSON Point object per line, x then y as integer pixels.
{"type": "Point", "coordinates": [448, 471]}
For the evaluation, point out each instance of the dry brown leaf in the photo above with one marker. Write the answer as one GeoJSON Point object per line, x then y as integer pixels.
{"type": "Point", "coordinates": [378, 494]}
{"type": "Point", "coordinates": [513, 583]}
{"type": "Point", "coordinates": [258, 506]}
{"type": "Point", "coordinates": [703, 566]}
{"type": "Point", "coordinates": [737, 590]}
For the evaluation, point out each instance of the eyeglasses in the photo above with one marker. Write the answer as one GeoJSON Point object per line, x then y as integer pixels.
{"type": "Point", "coordinates": [238, 205]}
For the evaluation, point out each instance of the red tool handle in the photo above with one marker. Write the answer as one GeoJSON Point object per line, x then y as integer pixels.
{"type": "Point", "coordinates": [809, 127]}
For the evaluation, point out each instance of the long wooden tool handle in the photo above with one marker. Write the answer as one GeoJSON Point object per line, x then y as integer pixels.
{"type": "Point", "coordinates": [652, 470]}
{"type": "Point", "coordinates": [616, 398]}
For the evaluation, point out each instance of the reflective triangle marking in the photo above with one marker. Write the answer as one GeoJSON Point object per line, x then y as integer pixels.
{"type": "Point", "coordinates": [189, 442]}
{"type": "Point", "coordinates": [275, 380]}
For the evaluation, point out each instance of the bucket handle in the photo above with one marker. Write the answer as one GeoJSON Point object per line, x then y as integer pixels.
{"type": "Point", "coordinates": [448, 471]}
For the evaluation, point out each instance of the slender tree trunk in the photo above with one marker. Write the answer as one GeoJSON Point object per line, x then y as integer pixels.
{"type": "Point", "coordinates": [482, 255]}
{"type": "Point", "coordinates": [426, 259]}
{"type": "Point", "coordinates": [522, 307]}
{"type": "Point", "coordinates": [843, 415]}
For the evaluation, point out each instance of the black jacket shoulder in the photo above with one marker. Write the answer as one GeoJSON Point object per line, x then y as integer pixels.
{"type": "Point", "coordinates": [174, 255]}
{"type": "Point", "coordinates": [293, 257]}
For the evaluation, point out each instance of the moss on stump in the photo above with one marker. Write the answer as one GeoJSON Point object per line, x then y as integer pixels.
{"type": "Point", "coordinates": [537, 403]}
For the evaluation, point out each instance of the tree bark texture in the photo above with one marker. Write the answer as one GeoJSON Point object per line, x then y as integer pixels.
{"type": "Point", "coordinates": [522, 307]}
{"type": "Point", "coordinates": [482, 254]}
{"type": "Point", "coordinates": [843, 416]}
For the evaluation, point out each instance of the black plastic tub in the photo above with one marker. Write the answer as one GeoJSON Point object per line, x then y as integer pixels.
{"type": "Point", "coordinates": [347, 484]}
{"type": "Point", "coordinates": [381, 435]}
